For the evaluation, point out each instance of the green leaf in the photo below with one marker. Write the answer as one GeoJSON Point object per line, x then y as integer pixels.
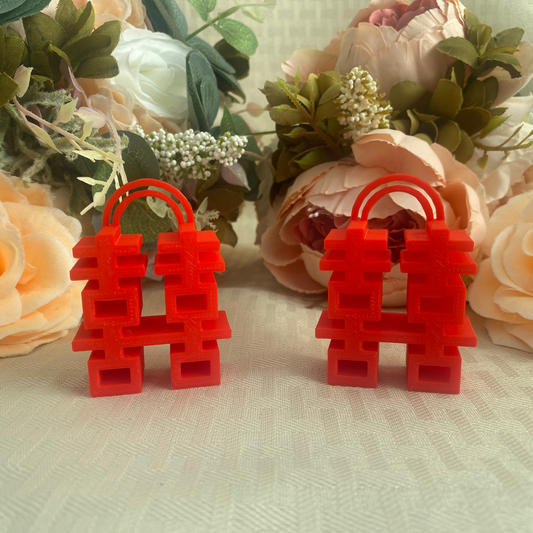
{"type": "Point", "coordinates": [238, 35]}
{"type": "Point", "coordinates": [458, 73]}
{"type": "Point", "coordinates": [403, 125]}
{"type": "Point", "coordinates": [2, 50]}
{"type": "Point", "coordinates": [446, 100]}
{"type": "Point", "coordinates": [405, 95]}
{"type": "Point", "coordinates": [86, 48]}
{"type": "Point", "coordinates": [139, 218]}
{"type": "Point", "coordinates": [328, 110]}
{"type": "Point", "coordinates": [473, 119]}
{"type": "Point", "coordinates": [460, 48]}
{"type": "Point", "coordinates": [312, 158]}
{"type": "Point", "coordinates": [482, 161]}
{"type": "Point", "coordinates": [82, 24]}
{"type": "Point", "coordinates": [415, 123]}
{"type": "Point", "coordinates": [286, 115]}
{"type": "Point", "coordinates": [492, 89]}
{"type": "Point", "coordinates": [203, 7]}
{"type": "Point", "coordinates": [332, 93]}
{"type": "Point", "coordinates": [424, 137]}
{"type": "Point", "coordinates": [65, 12]}
{"type": "Point", "coordinates": [511, 37]}
{"type": "Point", "coordinates": [40, 62]}
{"type": "Point", "coordinates": [275, 95]}
{"type": "Point", "coordinates": [203, 91]}
{"type": "Point", "coordinates": [480, 36]}
{"type": "Point", "coordinates": [111, 29]}
{"type": "Point", "coordinates": [474, 94]}
{"type": "Point", "coordinates": [225, 232]}
{"type": "Point", "coordinates": [211, 54]}
{"type": "Point", "coordinates": [167, 17]}
{"type": "Point", "coordinates": [506, 61]}
{"type": "Point", "coordinates": [236, 125]}
{"type": "Point", "coordinates": [449, 135]}
{"type": "Point", "coordinates": [140, 152]}
{"type": "Point", "coordinates": [470, 19]}
{"type": "Point", "coordinates": [8, 89]}
{"type": "Point", "coordinates": [465, 150]}
{"type": "Point", "coordinates": [41, 29]}
{"type": "Point", "coordinates": [15, 50]}
{"type": "Point", "coordinates": [5, 121]}
{"type": "Point", "coordinates": [97, 68]}
{"type": "Point", "coordinates": [494, 123]}
{"type": "Point", "coordinates": [222, 200]}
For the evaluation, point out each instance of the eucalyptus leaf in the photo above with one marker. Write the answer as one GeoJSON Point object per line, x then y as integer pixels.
{"type": "Point", "coordinates": [460, 48]}
{"type": "Point", "coordinates": [405, 94]}
{"type": "Point", "coordinates": [236, 125]}
{"type": "Point", "coordinates": [211, 54]}
{"type": "Point", "coordinates": [238, 35]}
{"type": "Point", "coordinates": [140, 152]}
{"type": "Point", "coordinates": [203, 7]}
{"type": "Point", "coordinates": [167, 17]}
{"type": "Point", "coordinates": [203, 91]}
{"type": "Point", "coordinates": [446, 100]}
{"type": "Point", "coordinates": [22, 9]}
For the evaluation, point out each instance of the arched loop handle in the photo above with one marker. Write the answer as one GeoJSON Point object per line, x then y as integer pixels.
{"type": "Point", "coordinates": [361, 210]}
{"type": "Point", "coordinates": [115, 220]}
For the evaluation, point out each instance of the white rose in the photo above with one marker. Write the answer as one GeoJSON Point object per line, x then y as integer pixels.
{"type": "Point", "coordinates": [152, 68]}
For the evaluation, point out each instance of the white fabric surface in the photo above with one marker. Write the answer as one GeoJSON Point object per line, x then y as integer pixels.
{"type": "Point", "coordinates": [274, 448]}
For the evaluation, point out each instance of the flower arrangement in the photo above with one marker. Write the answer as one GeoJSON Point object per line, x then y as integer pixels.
{"type": "Point", "coordinates": [94, 94]}
{"type": "Point", "coordinates": [423, 88]}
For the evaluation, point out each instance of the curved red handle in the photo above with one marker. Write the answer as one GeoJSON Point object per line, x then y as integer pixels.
{"type": "Point", "coordinates": [373, 197]}
{"type": "Point", "coordinates": [141, 194]}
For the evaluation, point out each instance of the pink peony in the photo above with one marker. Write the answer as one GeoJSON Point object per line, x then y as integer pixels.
{"type": "Point", "coordinates": [322, 198]}
{"type": "Point", "coordinates": [394, 41]}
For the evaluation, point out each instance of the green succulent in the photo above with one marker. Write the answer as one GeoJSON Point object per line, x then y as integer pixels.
{"type": "Point", "coordinates": [460, 110]}
{"type": "Point", "coordinates": [70, 38]}
{"type": "Point", "coordinates": [12, 10]}
{"type": "Point", "coordinates": [307, 125]}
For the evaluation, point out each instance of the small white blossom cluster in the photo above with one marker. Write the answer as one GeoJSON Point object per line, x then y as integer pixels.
{"type": "Point", "coordinates": [363, 109]}
{"type": "Point", "coordinates": [193, 154]}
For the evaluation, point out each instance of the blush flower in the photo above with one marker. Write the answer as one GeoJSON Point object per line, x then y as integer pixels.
{"type": "Point", "coordinates": [393, 41]}
{"type": "Point", "coordinates": [502, 291]}
{"type": "Point", "coordinates": [322, 198]}
{"type": "Point", "coordinates": [38, 302]}
{"type": "Point", "coordinates": [131, 13]}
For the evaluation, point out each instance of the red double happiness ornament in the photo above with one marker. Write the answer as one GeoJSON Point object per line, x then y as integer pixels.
{"type": "Point", "coordinates": [112, 326]}
{"type": "Point", "coordinates": [435, 323]}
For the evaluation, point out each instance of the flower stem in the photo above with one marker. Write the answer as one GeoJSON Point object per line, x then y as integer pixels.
{"type": "Point", "coordinates": [220, 16]}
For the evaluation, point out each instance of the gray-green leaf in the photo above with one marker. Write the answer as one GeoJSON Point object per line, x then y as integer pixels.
{"type": "Point", "coordinates": [203, 7]}
{"type": "Point", "coordinates": [460, 48]}
{"type": "Point", "coordinates": [240, 36]}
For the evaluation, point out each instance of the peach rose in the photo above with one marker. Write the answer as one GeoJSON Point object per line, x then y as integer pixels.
{"type": "Point", "coordinates": [131, 13]}
{"type": "Point", "coordinates": [502, 291]}
{"type": "Point", "coordinates": [322, 198]}
{"type": "Point", "coordinates": [38, 302]}
{"type": "Point", "coordinates": [394, 41]}
{"type": "Point", "coordinates": [117, 104]}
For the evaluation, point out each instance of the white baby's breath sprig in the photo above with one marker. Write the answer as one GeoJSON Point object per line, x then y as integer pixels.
{"type": "Point", "coordinates": [363, 109]}
{"type": "Point", "coordinates": [191, 154]}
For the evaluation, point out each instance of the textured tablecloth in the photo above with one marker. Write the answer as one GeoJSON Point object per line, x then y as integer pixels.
{"type": "Point", "coordinates": [274, 448]}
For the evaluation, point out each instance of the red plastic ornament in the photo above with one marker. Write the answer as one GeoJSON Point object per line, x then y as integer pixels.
{"type": "Point", "coordinates": [112, 326]}
{"type": "Point", "coordinates": [435, 323]}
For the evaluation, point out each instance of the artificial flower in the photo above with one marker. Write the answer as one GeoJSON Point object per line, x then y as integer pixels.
{"type": "Point", "coordinates": [322, 198]}
{"type": "Point", "coordinates": [393, 41]}
{"type": "Point", "coordinates": [131, 13]}
{"type": "Point", "coordinates": [152, 68]}
{"type": "Point", "coordinates": [502, 291]}
{"type": "Point", "coordinates": [38, 302]}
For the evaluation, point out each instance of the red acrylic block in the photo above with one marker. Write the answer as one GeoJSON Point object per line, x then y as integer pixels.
{"type": "Point", "coordinates": [435, 323]}
{"type": "Point", "coordinates": [113, 328]}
